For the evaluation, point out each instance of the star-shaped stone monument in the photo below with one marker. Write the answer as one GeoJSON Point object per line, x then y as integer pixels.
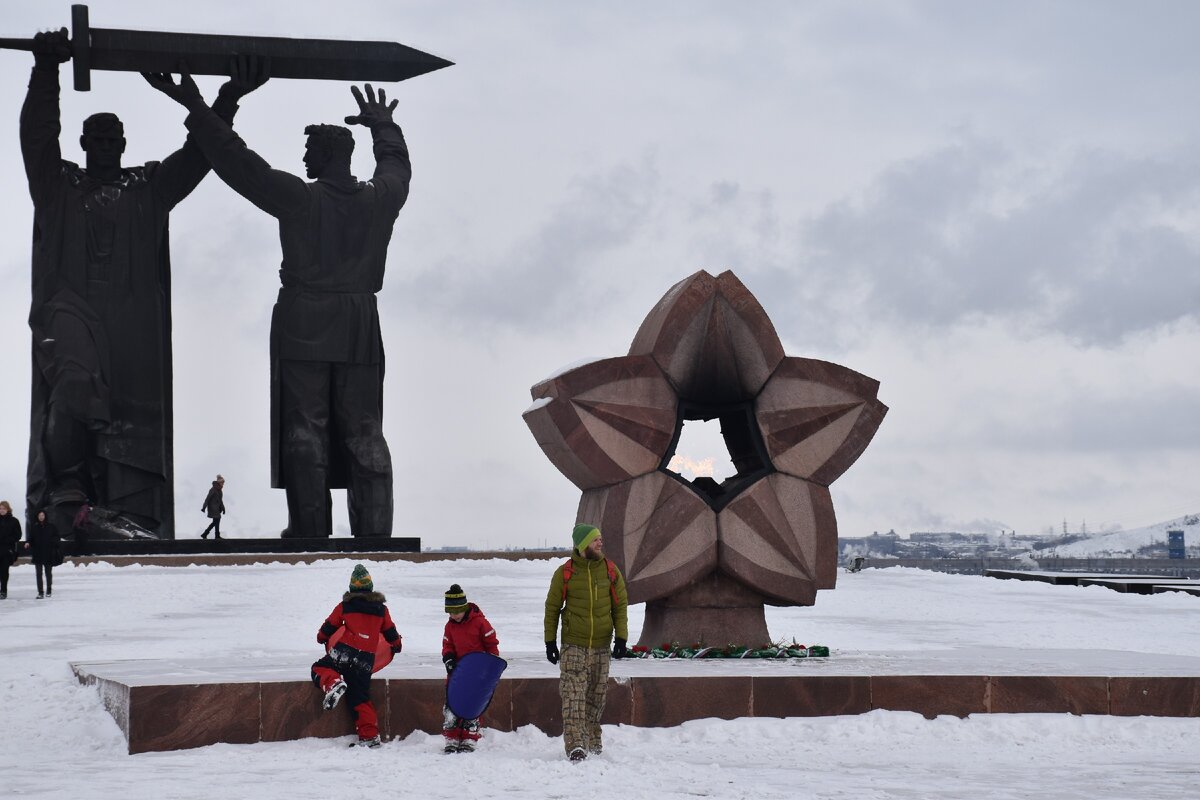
{"type": "Point", "coordinates": [706, 556]}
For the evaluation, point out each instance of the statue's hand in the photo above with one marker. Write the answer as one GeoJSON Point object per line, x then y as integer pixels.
{"type": "Point", "coordinates": [51, 48]}
{"type": "Point", "coordinates": [246, 73]}
{"type": "Point", "coordinates": [186, 92]}
{"type": "Point", "coordinates": [371, 111]}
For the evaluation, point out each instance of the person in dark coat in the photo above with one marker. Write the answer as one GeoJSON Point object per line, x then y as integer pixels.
{"type": "Point", "coordinates": [327, 358]}
{"type": "Point", "coordinates": [10, 540]}
{"type": "Point", "coordinates": [101, 415]}
{"type": "Point", "coordinates": [214, 506]}
{"type": "Point", "coordinates": [45, 547]}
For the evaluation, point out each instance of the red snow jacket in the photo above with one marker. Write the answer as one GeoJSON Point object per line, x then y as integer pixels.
{"type": "Point", "coordinates": [471, 635]}
{"type": "Point", "coordinates": [365, 618]}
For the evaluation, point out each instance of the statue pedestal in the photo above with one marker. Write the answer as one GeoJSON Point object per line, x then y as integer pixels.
{"type": "Point", "coordinates": [714, 611]}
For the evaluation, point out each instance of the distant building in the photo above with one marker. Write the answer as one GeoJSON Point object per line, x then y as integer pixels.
{"type": "Point", "coordinates": [876, 544]}
{"type": "Point", "coordinates": [1175, 545]}
{"type": "Point", "coordinates": [949, 537]}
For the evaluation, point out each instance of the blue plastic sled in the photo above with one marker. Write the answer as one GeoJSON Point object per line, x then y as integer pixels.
{"type": "Point", "coordinates": [472, 683]}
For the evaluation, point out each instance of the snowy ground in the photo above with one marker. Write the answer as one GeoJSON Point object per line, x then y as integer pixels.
{"type": "Point", "coordinates": [59, 742]}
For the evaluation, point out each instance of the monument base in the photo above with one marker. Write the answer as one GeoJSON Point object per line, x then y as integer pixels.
{"type": "Point", "coordinates": [173, 704]}
{"type": "Point", "coordinates": [233, 545]}
{"type": "Point", "coordinates": [713, 611]}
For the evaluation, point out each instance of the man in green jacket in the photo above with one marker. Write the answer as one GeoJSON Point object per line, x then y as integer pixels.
{"type": "Point", "coordinates": [588, 592]}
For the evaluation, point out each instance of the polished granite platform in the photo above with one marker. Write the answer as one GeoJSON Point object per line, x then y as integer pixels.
{"type": "Point", "coordinates": [1126, 584]}
{"type": "Point", "coordinates": [237, 545]}
{"type": "Point", "coordinates": [176, 704]}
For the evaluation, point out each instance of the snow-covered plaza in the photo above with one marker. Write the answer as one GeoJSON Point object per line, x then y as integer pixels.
{"type": "Point", "coordinates": [60, 742]}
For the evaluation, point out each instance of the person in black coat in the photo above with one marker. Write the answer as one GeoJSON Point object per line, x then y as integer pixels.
{"type": "Point", "coordinates": [214, 506]}
{"type": "Point", "coordinates": [45, 547]}
{"type": "Point", "coordinates": [10, 540]}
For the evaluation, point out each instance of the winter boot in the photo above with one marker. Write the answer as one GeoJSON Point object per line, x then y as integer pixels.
{"type": "Point", "coordinates": [577, 755]}
{"type": "Point", "coordinates": [450, 730]}
{"type": "Point", "coordinates": [374, 741]}
{"type": "Point", "coordinates": [334, 695]}
{"type": "Point", "coordinates": [469, 733]}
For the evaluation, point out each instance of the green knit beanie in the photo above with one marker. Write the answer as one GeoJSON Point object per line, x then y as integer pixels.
{"type": "Point", "coordinates": [456, 599]}
{"type": "Point", "coordinates": [583, 535]}
{"type": "Point", "coordinates": [360, 580]}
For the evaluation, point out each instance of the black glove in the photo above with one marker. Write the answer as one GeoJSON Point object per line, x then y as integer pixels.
{"type": "Point", "coordinates": [552, 652]}
{"type": "Point", "coordinates": [449, 660]}
{"type": "Point", "coordinates": [619, 649]}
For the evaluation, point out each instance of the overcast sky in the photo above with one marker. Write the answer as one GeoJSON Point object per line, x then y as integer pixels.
{"type": "Point", "coordinates": [993, 209]}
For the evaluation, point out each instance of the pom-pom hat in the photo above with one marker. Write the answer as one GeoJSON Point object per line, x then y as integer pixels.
{"type": "Point", "coordinates": [360, 580]}
{"type": "Point", "coordinates": [456, 599]}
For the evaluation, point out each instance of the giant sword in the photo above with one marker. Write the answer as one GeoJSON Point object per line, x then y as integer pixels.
{"type": "Point", "coordinates": [209, 54]}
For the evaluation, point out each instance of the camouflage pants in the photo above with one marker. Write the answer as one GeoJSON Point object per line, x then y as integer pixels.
{"type": "Point", "coordinates": [583, 683]}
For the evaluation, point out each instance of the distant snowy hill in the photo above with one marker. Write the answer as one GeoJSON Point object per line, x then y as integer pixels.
{"type": "Point", "coordinates": [1122, 543]}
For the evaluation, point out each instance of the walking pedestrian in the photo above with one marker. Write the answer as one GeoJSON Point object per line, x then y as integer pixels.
{"type": "Point", "coordinates": [10, 540]}
{"type": "Point", "coordinates": [214, 506]}
{"type": "Point", "coordinates": [45, 547]}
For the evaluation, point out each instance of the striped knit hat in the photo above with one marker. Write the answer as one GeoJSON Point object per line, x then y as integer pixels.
{"type": "Point", "coordinates": [456, 599]}
{"type": "Point", "coordinates": [360, 580]}
{"type": "Point", "coordinates": [583, 535]}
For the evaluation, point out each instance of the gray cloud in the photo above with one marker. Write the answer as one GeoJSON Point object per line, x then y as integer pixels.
{"type": "Point", "coordinates": [953, 236]}
{"type": "Point", "coordinates": [542, 279]}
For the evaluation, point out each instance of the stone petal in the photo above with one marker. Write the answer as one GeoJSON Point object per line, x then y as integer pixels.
{"type": "Point", "coordinates": [780, 538]}
{"type": "Point", "coordinates": [817, 418]}
{"type": "Point", "coordinates": [657, 530]}
{"type": "Point", "coordinates": [605, 422]}
{"type": "Point", "coordinates": [712, 338]}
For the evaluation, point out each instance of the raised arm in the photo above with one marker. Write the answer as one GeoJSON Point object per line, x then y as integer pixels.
{"type": "Point", "coordinates": [40, 123]}
{"type": "Point", "coordinates": [278, 193]}
{"type": "Point", "coordinates": [393, 169]}
{"type": "Point", "coordinates": [182, 171]}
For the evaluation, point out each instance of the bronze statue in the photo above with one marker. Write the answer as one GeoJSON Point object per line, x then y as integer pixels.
{"type": "Point", "coordinates": [101, 422]}
{"type": "Point", "coordinates": [327, 360]}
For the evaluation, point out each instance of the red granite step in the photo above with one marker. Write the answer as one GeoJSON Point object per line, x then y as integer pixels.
{"type": "Point", "coordinates": [174, 713]}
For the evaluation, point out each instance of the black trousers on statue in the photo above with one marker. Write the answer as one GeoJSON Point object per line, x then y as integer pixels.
{"type": "Point", "coordinates": [334, 411]}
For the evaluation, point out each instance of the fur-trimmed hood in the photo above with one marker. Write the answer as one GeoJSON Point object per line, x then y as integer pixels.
{"type": "Point", "coordinates": [372, 597]}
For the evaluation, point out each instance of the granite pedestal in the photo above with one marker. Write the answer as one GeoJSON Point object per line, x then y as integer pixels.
{"type": "Point", "coordinates": [176, 704]}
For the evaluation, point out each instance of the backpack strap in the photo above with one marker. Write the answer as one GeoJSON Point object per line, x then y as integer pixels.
{"type": "Point", "coordinates": [612, 582]}
{"type": "Point", "coordinates": [569, 570]}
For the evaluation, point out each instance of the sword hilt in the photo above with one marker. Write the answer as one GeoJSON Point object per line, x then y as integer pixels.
{"type": "Point", "coordinates": [81, 47]}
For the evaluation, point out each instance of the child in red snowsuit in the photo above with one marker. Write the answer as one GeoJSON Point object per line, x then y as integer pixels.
{"type": "Point", "coordinates": [467, 631]}
{"type": "Point", "coordinates": [347, 668]}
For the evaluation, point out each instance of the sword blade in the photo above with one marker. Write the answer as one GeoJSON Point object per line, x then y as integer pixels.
{"type": "Point", "coordinates": [210, 54]}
